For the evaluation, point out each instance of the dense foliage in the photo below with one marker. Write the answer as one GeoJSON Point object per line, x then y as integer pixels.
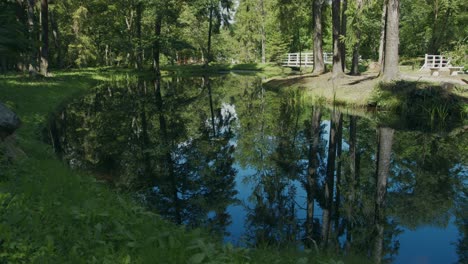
{"type": "Point", "coordinates": [120, 33]}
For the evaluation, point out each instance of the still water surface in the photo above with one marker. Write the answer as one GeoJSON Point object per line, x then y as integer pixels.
{"type": "Point", "coordinates": [256, 166]}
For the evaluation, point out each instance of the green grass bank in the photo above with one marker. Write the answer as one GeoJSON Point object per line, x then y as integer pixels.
{"type": "Point", "coordinates": [435, 99]}
{"type": "Point", "coordinates": [51, 214]}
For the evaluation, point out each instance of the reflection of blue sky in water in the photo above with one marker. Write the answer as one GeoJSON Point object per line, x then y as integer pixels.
{"type": "Point", "coordinates": [428, 245]}
{"type": "Point", "coordinates": [267, 130]}
{"type": "Point", "coordinates": [425, 245]}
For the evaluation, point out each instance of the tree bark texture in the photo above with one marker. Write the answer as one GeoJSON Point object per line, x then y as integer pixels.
{"type": "Point", "coordinates": [383, 23]}
{"type": "Point", "coordinates": [337, 70]}
{"type": "Point", "coordinates": [392, 41]}
{"type": "Point", "coordinates": [319, 65]}
{"type": "Point", "coordinates": [343, 33]}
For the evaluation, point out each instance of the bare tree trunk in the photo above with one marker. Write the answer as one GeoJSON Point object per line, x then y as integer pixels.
{"type": "Point", "coordinates": [355, 62]}
{"type": "Point", "coordinates": [384, 154]}
{"type": "Point", "coordinates": [157, 45]}
{"type": "Point", "coordinates": [45, 37]}
{"type": "Point", "coordinates": [392, 41]}
{"type": "Point", "coordinates": [312, 172]}
{"type": "Point", "coordinates": [343, 33]}
{"type": "Point", "coordinates": [139, 57]}
{"type": "Point", "coordinates": [383, 23]}
{"type": "Point", "coordinates": [262, 6]}
{"type": "Point", "coordinates": [337, 70]}
{"type": "Point", "coordinates": [319, 65]}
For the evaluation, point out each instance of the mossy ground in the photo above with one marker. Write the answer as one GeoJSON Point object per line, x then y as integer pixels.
{"type": "Point", "coordinates": [51, 214]}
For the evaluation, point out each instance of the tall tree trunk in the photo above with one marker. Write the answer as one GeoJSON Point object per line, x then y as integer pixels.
{"type": "Point", "coordinates": [343, 33]}
{"type": "Point", "coordinates": [392, 41]}
{"type": "Point", "coordinates": [337, 70]}
{"type": "Point", "coordinates": [355, 62]}
{"type": "Point", "coordinates": [383, 23]}
{"type": "Point", "coordinates": [319, 64]}
{"type": "Point", "coordinates": [45, 37]}
{"type": "Point", "coordinates": [330, 178]}
{"type": "Point", "coordinates": [32, 39]}
{"type": "Point", "coordinates": [262, 7]}
{"type": "Point", "coordinates": [312, 173]}
{"type": "Point", "coordinates": [384, 153]}
{"type": "Point", "coordinates": [210, 29]}
{"type": "Point", "coordinates": [157, 45]}
{"type": "Point", "coordinates": [139, 57]}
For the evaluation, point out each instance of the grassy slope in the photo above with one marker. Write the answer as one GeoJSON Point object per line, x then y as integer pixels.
{"type": "Point", "coordinates": [50, 214]}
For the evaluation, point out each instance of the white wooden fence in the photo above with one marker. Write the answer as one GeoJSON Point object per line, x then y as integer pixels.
{"type": "Point", "coordinates": [436, 61]}
{"type": "Point", "coordinates": [304, 59]}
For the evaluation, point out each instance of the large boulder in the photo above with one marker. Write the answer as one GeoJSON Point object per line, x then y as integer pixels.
{"type": "Point", "coordinates": [9, 122]}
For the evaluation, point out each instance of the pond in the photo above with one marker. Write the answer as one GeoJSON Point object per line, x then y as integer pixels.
{"type": "Point", "coordinates": [265, 167]}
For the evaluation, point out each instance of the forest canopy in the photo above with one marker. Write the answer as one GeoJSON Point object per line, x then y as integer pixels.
{"type": "Point", "coordinates": [128, 33]}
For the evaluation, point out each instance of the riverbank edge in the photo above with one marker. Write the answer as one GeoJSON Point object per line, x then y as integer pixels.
{"type": "Point", "coordinates": [374, 93]}
{"type": "Point", "coordinates": [53, 214]}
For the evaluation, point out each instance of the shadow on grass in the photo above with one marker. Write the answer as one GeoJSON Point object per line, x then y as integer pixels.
{"type": "Point", "coordinates": [368, 78]}
{"type": "Point", "coordinates": [421, 106]}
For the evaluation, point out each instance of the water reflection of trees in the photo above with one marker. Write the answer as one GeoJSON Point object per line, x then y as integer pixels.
{"type": "Point", "coordinates": [154, 138]}
{"type": "Point", "coordinates": [320, 177]}
{"type": "Point", "coordinates": [371, 181]}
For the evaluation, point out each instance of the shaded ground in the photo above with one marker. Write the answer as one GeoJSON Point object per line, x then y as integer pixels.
{"type": "Point", "coordinates": [350, 90]}
{"type": "Point", "coordinates": [361, 90]}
